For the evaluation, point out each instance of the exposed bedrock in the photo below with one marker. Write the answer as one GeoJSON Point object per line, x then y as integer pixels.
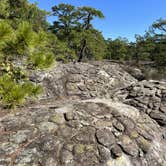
{"type": "Point", "coordinates": [90, 115]}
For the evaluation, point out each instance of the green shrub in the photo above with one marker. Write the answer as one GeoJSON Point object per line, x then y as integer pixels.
{"type": "Point", "coordinates": [13, 93]}
{"type": "Point", "coordinates": [42, 59]}
{"type": "Point", "coordinates": [18, 48]}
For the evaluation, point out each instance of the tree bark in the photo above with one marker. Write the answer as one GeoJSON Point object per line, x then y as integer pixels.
{"type": "Point", "coordinates": [82, 51]}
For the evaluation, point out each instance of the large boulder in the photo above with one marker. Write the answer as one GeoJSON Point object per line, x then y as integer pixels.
{"type": "Point", "coordinates": [83, 80]}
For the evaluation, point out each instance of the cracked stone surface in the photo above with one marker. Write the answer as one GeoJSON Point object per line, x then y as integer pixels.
{"type": "Point", "coordinates": [83, 80]}
{"type": "Point", "coordinates": [122, 124]}
{"type": "Point", "coordinates": [148, 97]}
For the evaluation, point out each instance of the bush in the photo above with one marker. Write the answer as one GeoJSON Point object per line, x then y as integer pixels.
{"type": "Point", "coordinates": [13, 93]}
{"type": "Point", "coordinates": [20, 48]}
{"type": "Point", "coordinates": [42, 59]}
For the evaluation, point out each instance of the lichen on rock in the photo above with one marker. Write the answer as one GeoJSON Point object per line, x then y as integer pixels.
{"type": "Point", "coordinates": [90, 114]}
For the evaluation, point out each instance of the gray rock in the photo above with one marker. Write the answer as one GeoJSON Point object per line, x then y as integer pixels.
{"type": "Point", "coordinates": [57, 118]}
{"type": "Point", "coordinates": [69, 116]}
{"type": "Point", "coordinates": [48, 127]}
{"type": "Point", "coordinates": [159, 117]}
{"type": "Point", "coordinates": [118, 126]}
{"type": "Point", "coordinates": [67, 158]}
{"type": "Point", "coordinates": [104, 153]}
{"type": "Point", "coordinates": [128, 146]}
{"type": "Point", "coordinates": [81, 80]}
{"type": "Point", "coordinates": [21, 136]}
{"type": "Point", "coordinates": [90, 114]}
{"type": "Point", "coordinates": [144, 144]}
{"type": "Point", "coordinates": [116, 151]}
{"type": "Point", "coordinates": [105, 137]}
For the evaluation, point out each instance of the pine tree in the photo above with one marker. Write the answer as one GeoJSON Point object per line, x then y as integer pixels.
{"type": "Point", "coordinates": [19, 49]}
{"type": "Point", "coordinates": [74, 27]}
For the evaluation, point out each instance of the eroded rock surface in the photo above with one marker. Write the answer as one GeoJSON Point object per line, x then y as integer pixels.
{"type": "Point", "coordinates": [90, 115]}
{"type": "Point", "coordinates": [147, 96]}
{"type": "Point", "coordinates": [83, 80]}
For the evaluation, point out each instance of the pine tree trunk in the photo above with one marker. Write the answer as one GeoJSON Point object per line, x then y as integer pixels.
{"type": "Point", "coordinates": [82, 52]}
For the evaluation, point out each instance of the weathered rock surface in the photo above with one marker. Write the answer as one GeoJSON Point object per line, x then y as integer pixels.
{"type": "Point", "coordinates": [90, 115]}
{"type": "Point", "coordinates": [148, 97]}
{"type": "Point", "coordinates": [83, 80]}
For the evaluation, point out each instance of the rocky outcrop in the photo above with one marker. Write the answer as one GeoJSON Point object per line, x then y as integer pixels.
{"type": "Point", "coordinates": [90, 115]}
{"type": "Point", "coordinates": [83, 80]}
{"type": "Point", "coordinates": [90, 132]}
{"type": "Point", "coordinates": [148, 97]}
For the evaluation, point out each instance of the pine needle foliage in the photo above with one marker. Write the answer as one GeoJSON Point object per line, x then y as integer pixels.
{"type": "Point", "coordinates": [6, 33]}
{"type": "Point", "coordinates": [4, 6]}
{"type": "Point", "coordinates": [42, 59]}
{"type": "Point", "coordinates": [20, 49]}
{"type": "Point", "coordinates": [24, 45]}
{"type": "Point", "coordinates": [13, 93]}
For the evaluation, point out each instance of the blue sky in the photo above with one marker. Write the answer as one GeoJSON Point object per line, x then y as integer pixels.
{"type": "Point", "coordinates": [123, 18]}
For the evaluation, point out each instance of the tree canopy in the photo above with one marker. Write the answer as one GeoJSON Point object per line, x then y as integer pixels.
{"type": "Point", "coordinates": [74, 26]}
